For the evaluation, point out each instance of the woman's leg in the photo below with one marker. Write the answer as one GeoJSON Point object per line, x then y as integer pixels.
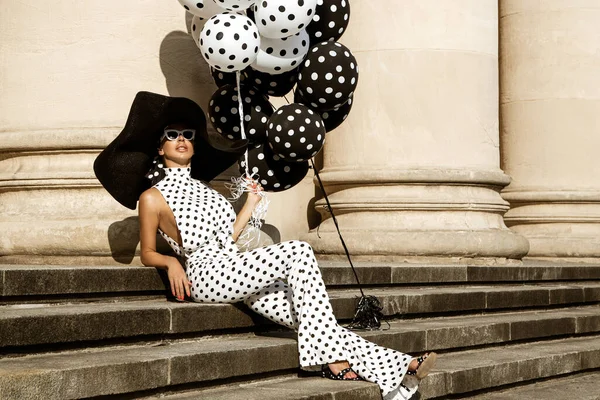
{"type": "Point", "coordinates": [249, 276]}
{"type": "Point", "coordinates": [243, 275]}
{"type": "Point", "coordinates": [275, 302]}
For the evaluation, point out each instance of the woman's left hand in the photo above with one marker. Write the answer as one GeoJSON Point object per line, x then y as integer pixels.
{"type": "Point", "coordinates": [253, 198]}
{"type": "Point", "coordinates": [254, 195]}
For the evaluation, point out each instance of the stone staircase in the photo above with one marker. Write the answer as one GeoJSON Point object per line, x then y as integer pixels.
{"type": "Point", "coordinates": [502, 332]}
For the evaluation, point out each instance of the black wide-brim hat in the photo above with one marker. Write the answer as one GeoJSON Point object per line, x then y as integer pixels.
{"type": "Point", "coordinates": [123, 165]}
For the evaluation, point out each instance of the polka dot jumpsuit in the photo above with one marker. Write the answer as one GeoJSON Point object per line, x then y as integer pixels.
{"type": "Point", "coordinates": [281, 282]}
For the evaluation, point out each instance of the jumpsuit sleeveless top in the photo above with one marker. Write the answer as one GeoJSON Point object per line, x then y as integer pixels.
{"type": "Point", "coordinates": [203, 217]}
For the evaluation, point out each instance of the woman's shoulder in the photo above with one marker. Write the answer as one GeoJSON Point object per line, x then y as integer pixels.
{"type": "Point", "coordinates": [151, 198]}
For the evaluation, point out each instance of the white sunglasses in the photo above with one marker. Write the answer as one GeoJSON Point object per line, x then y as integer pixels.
{"type": "Point", "coordinates": [173, 134]}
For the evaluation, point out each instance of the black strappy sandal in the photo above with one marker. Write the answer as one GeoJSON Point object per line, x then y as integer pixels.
{"type": "Point", "coordinates": [340, 376]}
{"type": "Point", "coordinates": [425, 363]}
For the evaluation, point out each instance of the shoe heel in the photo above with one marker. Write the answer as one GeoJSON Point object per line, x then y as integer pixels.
{"type": "Point", "coordinates": [426, 366]}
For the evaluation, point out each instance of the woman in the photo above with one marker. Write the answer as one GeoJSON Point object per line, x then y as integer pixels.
{"type": "Point", "coordinates": [281, 282]}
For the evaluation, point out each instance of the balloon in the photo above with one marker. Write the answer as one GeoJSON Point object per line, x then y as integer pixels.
{"type": "Point", "coordinates": [328, 76]}
{"type": "Point", "coordinates": [332, 118]}
{"type": "Point", "coordinates": [224, 78]}
{"type": "Point", "coordinates": [295, 132]}
{"type": "Point", "coordinates": [281, 18]}
{"type": "Point", "coordinates": [202, 8]}
{"type": "Point", "coordinates": [281, 55]}
{"type": "Point", "coordinates": [235, 5]}
{"type": "Point", "coordinates": [330, 20]}
{"type": "Point", "coordinates": [273, 173]}
{"type": "Point", "coordinates": [273, 85]}
{"type": "Point", "coordinates": [250, 13]}
{"type": "Point", "coordinates": [196, 26]}
{"type": "Point", "coordinates": [223, 110]}
{"type": "Point", "coordinates": [229, 42]}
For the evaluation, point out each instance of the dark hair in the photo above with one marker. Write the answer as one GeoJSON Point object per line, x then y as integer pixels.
{"type": "Point", "coordinates": [156, 173]}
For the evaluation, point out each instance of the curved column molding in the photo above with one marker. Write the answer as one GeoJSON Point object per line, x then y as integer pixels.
{"type": "Point", "coordinates": [414, 171]}
{"type": "Point", "coordinates": [51, 205]}
{"type": "Point", "coordinates": [550, 108]}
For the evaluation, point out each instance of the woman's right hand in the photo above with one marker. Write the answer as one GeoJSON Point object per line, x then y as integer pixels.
{"type": "Point", "coordinates": [180, 285]}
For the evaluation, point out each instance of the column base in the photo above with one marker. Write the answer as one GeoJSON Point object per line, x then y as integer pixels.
{"type": "Point", "coordinates": [438, 214]}
{"type": "Point", "coordinates": [559, 224]}
{"type": "Point", "coordinates": [495, 246]}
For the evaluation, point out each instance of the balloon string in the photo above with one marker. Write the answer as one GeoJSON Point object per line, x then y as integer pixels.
{"type": "Point", "coordinates": [241, 112]}
{"type": "Point", "coordinates": [330, 209]}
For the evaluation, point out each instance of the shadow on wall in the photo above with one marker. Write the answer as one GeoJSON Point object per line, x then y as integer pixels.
{"type": "Point", "coordinates": [185, 71]}
{"type": "Point", "coordinates": [124, 238]}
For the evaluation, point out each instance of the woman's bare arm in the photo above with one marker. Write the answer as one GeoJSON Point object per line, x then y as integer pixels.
{"type": "Point", "coordinates": [244, 215]}
{"type": "Point", "coordinates": [149, 216]}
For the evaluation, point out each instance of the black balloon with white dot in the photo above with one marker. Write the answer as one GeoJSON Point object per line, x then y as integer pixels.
{"type": "Point", "coordinates": [224, 78]}
{"type": "Point", "coordinates": [330, 21]}
{"type": "Point", "coordinates": [223, 111]}
{"type": "Point", "coordinates": [331, 118]}
{"type": "Point", "coordinates": [328, 76]}
{"type": "Point", "coordinates": [273, 173]}
{"type": "Point", "coordinates": [295, 132]}
{"type": "Point", "coordinates": [273, 85]}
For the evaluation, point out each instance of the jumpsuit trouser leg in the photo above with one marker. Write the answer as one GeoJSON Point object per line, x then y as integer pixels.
{"type": "Point", "coordinates": [283, 283]}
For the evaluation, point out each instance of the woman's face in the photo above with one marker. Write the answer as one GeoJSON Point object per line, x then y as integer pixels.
{"type": "Point", "coordinates": [177, 152]}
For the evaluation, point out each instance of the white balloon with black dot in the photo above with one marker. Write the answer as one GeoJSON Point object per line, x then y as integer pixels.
{"type": "Point", "coordinates": [229, 42]}
{"type": "Point", "coordinates": [328, 76]}
{"type": "Point", "coordinates": [295, 132]}
{"type": "Point", "coordinates": [281, 18]}
{"type": "Point", "coordinates": [235, 5]}
{"type": "Point", "coordinates": [196, 27]}
{"type": "Point", "coordinates": [202, 8]}
{"type": "Point", "coordinates": [276, 56]}
{"type": "Point", "coordinates": [273, 173]}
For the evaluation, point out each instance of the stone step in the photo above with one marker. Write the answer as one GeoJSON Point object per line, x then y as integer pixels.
{"type": "Point", "coordinates": [24, 281]}
{"type": "Point", "coordinates": [402, 301]}
{"type": "Point", "coordinates": [37, 324]}
{"type": "Point", "coordinates": [585, 386]}
{"type": "Point", "coordinates": [308, 388]}
{"type": "Point", "coordinates": [472, 370]}
{"type": "Point", "coordinates": [117, 370]}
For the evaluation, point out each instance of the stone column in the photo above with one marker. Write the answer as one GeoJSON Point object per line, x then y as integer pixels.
{"type": "Point", "coordinates": [415, 171]}
{"type": "Point", "coordinates": [68, 73]}
{"type": "Point", "coordinates": [550, 107]}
